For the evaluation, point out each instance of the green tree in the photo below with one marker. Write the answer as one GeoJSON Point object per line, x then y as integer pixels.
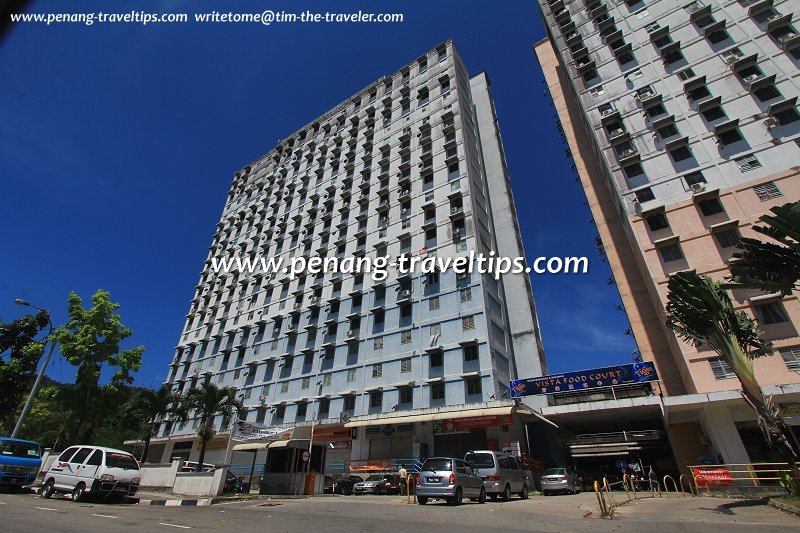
{"type": "Point", "coordinates": [772, 266]}
{"type": "Point", "coordinates": [699, 310]}
{"type": "Point", "coordinates": [91, 341]}
{"type": "Point", "coordinates": [49, 417]}
{"type": "Point", "coordinates": [150, 404]}
{"type": "Point", "coordinates": [208, 401]}
{"type": "Point", "coordinates": [19, 356]}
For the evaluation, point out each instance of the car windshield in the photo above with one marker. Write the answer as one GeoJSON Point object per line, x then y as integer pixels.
{"type": "Point", "coordinates": [480, 460]}
{"type": "Point", "coordinates": [121, 460]}
{"type": "Point", "coordinates": [374, 478]}
{"type": "Point", "coordinates": [15, 448]}
{"type": "Point", "coordinates": [555, 472]}
{"type": "Point", "coordinates": [436, 464]}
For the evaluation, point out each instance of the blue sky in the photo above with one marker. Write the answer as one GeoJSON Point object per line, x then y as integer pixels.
{"type": "Point", "coordinates": [119, 143]}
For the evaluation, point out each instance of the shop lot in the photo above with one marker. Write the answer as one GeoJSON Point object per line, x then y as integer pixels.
{"type": "Point", "coordinates": [22, 513]}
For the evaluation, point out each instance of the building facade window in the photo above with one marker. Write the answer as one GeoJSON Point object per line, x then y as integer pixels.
{"type": "Point", "coordinates": [770, 313]}
{"type": "Point", "coordinates": [791, 356]}
{"type": "Point", "coordinates": [767, 191]}
{"type": "Point", "coordinates": [727, 238]}
{"type": "Point", "coordinates": [670, 252]}
{"type": "Point", "coordinates": [473, 386]}
{"type": "Point", "coordinates": [721, 369]}
{"type": "Point", "coordinates": [437, 391]}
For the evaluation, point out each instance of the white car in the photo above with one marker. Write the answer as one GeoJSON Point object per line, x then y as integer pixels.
{"type": "Point", "coordinates": [82, 470]}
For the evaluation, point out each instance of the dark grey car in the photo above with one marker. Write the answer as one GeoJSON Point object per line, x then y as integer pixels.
{"type": "Point", "coordinates": [449, 479]}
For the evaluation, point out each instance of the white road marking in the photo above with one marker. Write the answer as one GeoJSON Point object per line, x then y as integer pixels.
{"type": "Point", "coordinates": [174, 525]}
{"type": "Point", "coordinates": [46, 509]}
{"type": "Point", "coordinates": [3, 503]}
{"type": "Point", "coordinates": [104, 515]}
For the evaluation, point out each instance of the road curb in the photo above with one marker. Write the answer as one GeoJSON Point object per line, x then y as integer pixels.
{"type": "Point", "coordinates": [177, 503]}
{"type": "Point", "coordinates": [784, 507]}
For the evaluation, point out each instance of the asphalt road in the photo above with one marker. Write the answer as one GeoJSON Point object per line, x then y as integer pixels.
{"type": "Point", "coordinates": [23, 513]}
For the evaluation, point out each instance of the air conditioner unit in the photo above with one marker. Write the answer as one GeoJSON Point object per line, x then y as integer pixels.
{"type": "Point", "coordinates": [314, 299]}
{"type": "Point", "coordinates": [618, 131]}
{"type": "Point", "coordinates": [262, 398]}
{"type": "Point", "coordinates": [461, 275]}
{"type": "Point", "coordinates": [774, 16]}
{"type": "Point", "coordinates": [606, 112]}
{"type": "Point", "coordinates": [770, 122]}
{"type": "Point", "coordinates": [751, 78]}
{"type": "Point", "coordinates": [697, 187]}
{"type": "Point", "coordinates": [788, 36]}
{"type": "Point", "coordinates": [351, 333]}
{"type": "Point", "coordinates": [297, 305]}
{"type": "Point", "coordinates": [455, 210]}
{"type": "Point", "coordinates": [405, 293]}
{"type": "Point", "coordinates": [404, 211]}
{"type": "Point", "coordinates": [627, 152]}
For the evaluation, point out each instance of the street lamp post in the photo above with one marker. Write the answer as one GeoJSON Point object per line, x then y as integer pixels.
{"type": "Point", "coordinates": [40, 375]}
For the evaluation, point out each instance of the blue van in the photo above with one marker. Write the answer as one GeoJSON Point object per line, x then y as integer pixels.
{"type": "Point", "coordinates": [20, 461]}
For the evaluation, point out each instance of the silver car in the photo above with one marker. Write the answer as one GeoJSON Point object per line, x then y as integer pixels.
{"type": "Point", "coordinates": [374, 484]}
{"type": "Point", "coordinates": [560, 480]}
{"type": "Point", "coordinates": [449, 479]}
{"type": "Point", "coordinates": [501, 472]}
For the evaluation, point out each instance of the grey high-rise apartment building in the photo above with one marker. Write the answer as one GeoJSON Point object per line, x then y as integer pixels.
{"type": "Point", "coordinates": [391, 370]}
{"type": "Point", "coordinates": [682, 119]}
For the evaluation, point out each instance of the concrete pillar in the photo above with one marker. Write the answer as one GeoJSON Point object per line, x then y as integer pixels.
{"type": "Point", "coordinates": [721, 431]}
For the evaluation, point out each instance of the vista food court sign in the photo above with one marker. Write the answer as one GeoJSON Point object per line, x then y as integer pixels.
{"type": "Point", "coordinates": [585, 379]}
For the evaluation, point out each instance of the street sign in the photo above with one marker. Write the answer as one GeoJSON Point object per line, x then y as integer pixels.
{"type": "Point", "coordinates": [305, 456]}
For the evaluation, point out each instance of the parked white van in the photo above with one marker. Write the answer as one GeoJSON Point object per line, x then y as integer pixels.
{"type": "Point", "coordinates": [502, 473]}
{"type": "Point", "coordinates": [82, 470]}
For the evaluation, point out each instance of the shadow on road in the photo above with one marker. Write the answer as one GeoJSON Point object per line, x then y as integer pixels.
{"type": "Point", "coordinates": [730, 508]}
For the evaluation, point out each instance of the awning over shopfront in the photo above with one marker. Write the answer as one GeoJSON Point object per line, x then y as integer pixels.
{"type": "Point", "coordinates": [255, 446]}
{"type": "Point", "coordinates": [449, 415]}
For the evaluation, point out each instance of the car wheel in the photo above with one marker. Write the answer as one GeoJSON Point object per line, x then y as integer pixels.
{"type": "Point", "coordinates": [78, 492]}
{"type": "Point", "coordinates": [482, 497]}
{"type": "Point", "coordinates": [459, 497]}
{"type": "Point", "coordinates": [507, 493]}
{"type": "Point", "coordinates": [48, 489]}
{"type": "Point", "coordinates": [422, 500]}
{"type": "Point", "coordinates": [545, 493]}
{"type": "Point", "coordinates": [524, 492]}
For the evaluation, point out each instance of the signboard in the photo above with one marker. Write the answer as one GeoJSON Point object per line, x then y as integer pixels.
{"type": "Point", "coordinates": [251, 431]}
{"type": "Point", "coordinates": [334, 434]}
{"type": "Point", "coordinates": [585, 379]}
{"type": "Point", "coordinates": [367, 465]}
{"type": "Point", "coordinates": [712, 476]}
{"type": "Point", "coordinates": [455, 425]}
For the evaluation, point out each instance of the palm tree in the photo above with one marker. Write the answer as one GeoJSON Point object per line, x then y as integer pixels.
{"type": "Point", "coordinates": [151, 404]}
{"type": "Point", "coordinates": [208, 401]}
{"type": "Point", "coordinates": [772, 266]}
{"type": "Point", "coordinates": [699, 310]}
